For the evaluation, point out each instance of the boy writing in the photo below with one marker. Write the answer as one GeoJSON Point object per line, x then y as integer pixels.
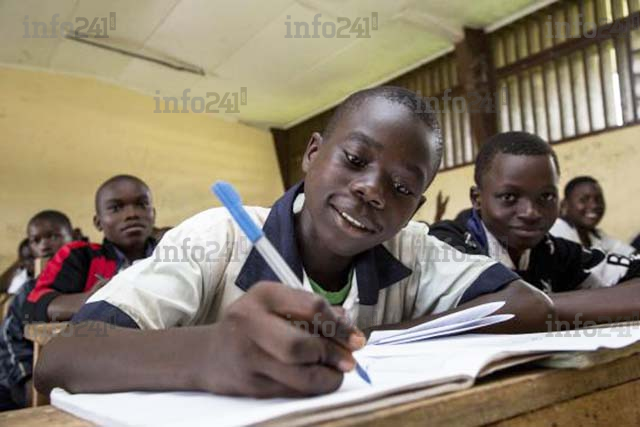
{"type": "Point", "coordinates": [345, 231]}
{"type": "Point", "coordinates": [47, 231]}
{"type": "Point", "coordinates": [515, 203]}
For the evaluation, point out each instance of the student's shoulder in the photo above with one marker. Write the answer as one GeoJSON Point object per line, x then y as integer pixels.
{"type": "Point", "coordinates": [457, 235]}
{"type": "Point", "coordinates": [75, 249]}
{"type": "Point", "coordinates": [420, 237]}
{"type": "Point", "coordinates": [569, 253]}
{"type": "Point", "coordinates": [214, 221]}
{"type": "Point", "coordinates": [447, 228]}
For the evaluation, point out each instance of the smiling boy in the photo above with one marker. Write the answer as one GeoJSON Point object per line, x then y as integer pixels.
{"type": "Point", "coordinates": [341, 231]}
{"type": "Point", "coordinates": [582, 210]}
{"type": "Point", "coordinates": [515, 203]}
{"type": "Point", "coordinates": [125, 215]}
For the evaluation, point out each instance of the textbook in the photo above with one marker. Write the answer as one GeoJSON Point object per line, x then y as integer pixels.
{"type": "Point", "coordinates": [394, 360]}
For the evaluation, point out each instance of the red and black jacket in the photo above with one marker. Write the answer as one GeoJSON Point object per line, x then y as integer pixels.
{"type": "Point", "coordinates": [75, 268]}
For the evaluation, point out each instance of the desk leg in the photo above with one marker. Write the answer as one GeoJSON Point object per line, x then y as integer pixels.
{"type": "Point", "coordinates": [38, 399]}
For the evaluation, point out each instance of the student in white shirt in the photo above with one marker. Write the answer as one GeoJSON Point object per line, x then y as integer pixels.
{"type": "Point", "coordinates": [582, 210]}
{"type": "Point", "coordinates": [350, 234]}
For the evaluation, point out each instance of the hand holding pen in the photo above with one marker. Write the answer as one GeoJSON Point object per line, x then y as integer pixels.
{"type": "Point", "coordinates": [329, 338]}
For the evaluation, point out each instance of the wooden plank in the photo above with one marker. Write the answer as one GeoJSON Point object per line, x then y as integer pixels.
{"type": "Point", "coordinates": [499, 397]}
{"type": "Point", "coordinates": [505, 396]}
{"type": "Point", "coordinates": [544, 87]}
{"type": "Point", "coordinates": [41, 333]}
{"type": "Point", "coordinates": [614, 407]}
{"type": "Point", "coordinates": [39, 417]}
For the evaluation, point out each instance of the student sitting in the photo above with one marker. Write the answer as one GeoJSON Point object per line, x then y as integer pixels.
{"type": "Point", "coordinates": [515, 203]}
{"type": "Point", "coordinates": [125, 214]}
{"type": "Point", "coordinates": [20, 271]}
{"type": "Point", "coordinates": [345, 231]}
{"type": "Point", "coordinates": [582, 210]}
{"type": "Point", "coordinates": [47, 232]}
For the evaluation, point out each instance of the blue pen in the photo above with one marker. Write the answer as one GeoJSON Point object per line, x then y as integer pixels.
{"type": "Point", "coordinates": [231, 200]}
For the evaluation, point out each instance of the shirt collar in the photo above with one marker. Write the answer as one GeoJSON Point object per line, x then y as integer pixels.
{"type": "Point", "coordinates": [375, 268]}
{"type": "Point", "coordinates": [121, 259]}
{"type": "Point", "coordinates": [597, 233]}
{"type": "Point", "coordinates": [492, 247]}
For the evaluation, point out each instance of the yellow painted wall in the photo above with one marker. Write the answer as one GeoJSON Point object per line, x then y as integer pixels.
{"type": "Point", "coordinates": [61, 136]}
{"type": "Point", "coordinates": [613, 158]}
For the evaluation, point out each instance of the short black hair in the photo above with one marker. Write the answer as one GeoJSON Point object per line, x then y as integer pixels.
{"type": "Point", "coordinates": [516, 143]}
{"type": "Point", "coordinates": [53, 216]}
{"type": "Point", "coordinates": [578, 180]}
{"type": "Point", "coordinates": [416, 104]}
{"type": "Point", "coordinates": [114, 179]}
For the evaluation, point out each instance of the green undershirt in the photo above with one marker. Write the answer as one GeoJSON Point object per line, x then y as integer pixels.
{"type": "Point", "coordinates": [334, 298]}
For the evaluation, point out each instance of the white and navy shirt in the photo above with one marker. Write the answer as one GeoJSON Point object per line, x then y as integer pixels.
{"type": "Point", "coordinates": [206, 263]}
{"type": "Point", "coordinates": [599, 239]}
{"type": "Point", "coordinates": [554, 265]}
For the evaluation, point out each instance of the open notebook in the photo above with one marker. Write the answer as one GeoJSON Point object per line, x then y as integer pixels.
{"type": "Point", "coordinates": [394, 360]}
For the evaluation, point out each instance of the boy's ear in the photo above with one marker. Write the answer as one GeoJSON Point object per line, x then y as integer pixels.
{"type": "Point", "coordinates": [474, 196]}
{"type": "Point", "coordinates": [313, 146]}
{"type": "Point", "coordinates": [96, 222]}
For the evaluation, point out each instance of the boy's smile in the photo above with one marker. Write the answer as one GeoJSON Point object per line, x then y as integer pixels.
{"type": "Point", "coordinates": [518, 201]}
{"type": "Point", "coordinates": [364, 181]}
{"type": "Point", "coordinates": [585, 206]}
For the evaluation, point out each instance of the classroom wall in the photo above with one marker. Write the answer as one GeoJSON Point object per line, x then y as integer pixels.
{"type": "Point", "coordinates": [613, 158]}
{"type": "Point", "coordinates": [61, 136]}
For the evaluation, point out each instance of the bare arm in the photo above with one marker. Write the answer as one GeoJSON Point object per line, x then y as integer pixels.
{"type": "Point", "coordinates": [254, 350]}
{"type": "Point", "coordinates": [603, 305]}
{"type": "Point", "coordinates": [64, 306]}
{"type": "Point", "coordinates": [534, 311]}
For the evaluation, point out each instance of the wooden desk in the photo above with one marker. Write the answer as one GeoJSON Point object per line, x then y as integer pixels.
{"type": "Point", "coordinates": [40, 334]}
{"type": "Point", "coordinates": [600, 395]}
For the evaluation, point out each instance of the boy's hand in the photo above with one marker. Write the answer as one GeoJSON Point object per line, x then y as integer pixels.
{"type": "Point", "coordinates": [441, 206]}
{"type": "Point", "coordinates": [278, 341]}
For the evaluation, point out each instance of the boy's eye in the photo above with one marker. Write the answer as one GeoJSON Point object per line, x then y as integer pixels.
{"type": "Point", "coordinates": [402, 189]}
{"type": "Point", "coordinates": [508, 197]}
{"type": "Point", "coordinates": [114, 208]}
{"type": "Point", "coordinates": [354, 160]}
{"type": "Point", "coordinates": [548, 197]}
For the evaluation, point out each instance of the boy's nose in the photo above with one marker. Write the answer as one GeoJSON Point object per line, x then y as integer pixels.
{"type": "Point", "coordinates": [45, 247]}
{"type": "Point", "coordinates": [130, 211]}
{"type": "Point", "coordinates": [529, 211]}
{"type": "Point", "coordinates": [370, 191]}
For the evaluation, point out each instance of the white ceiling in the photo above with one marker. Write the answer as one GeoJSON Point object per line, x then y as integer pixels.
{"type": "Point", "coordinates": [242, 43]}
